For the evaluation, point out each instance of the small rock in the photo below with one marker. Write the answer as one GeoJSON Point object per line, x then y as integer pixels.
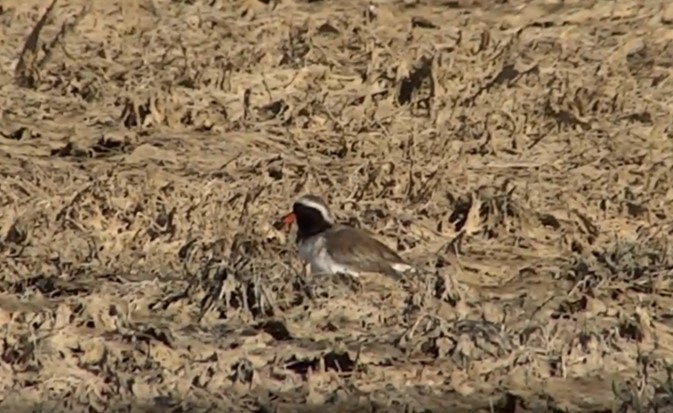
{"type": "Point", "coordinates": [667, 14]}
{"type": "Point", "coordinates": [492, 313]}
{"type": "Point", "coordinates": [596, 307]}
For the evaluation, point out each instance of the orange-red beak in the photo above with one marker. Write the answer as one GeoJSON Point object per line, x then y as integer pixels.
{"type": "Point", "coordinates": [287, 221]}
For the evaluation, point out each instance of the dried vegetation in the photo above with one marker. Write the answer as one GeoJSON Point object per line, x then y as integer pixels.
{"type": "Point", "coordinates": [521, 153]}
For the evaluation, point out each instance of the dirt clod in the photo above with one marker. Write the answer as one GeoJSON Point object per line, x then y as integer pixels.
{"type": "Point", "coordinates": [517, 152]}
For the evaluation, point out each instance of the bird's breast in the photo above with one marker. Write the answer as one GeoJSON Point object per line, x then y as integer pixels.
{"type": "Point", "coordinates": [313, 251]}
{"type": "Point", "coordinates": [308, 248]}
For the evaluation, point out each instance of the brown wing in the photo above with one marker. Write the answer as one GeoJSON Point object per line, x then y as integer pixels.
{"type": "Point", "coordinates": [358, 249]}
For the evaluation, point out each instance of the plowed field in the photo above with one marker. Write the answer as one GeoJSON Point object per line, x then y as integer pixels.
{"type": "Point", "coordinates": [519, 153]}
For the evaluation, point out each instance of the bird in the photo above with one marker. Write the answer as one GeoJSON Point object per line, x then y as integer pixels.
{"type": "Point", "coordinates": [330, 248]}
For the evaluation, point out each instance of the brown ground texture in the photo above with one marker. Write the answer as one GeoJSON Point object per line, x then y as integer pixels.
{"type": "Point", "coordinates": [520, 154]}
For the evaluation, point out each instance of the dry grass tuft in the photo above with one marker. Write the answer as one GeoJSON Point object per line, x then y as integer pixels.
{"type": "Point", "coordinates": [519, 152]}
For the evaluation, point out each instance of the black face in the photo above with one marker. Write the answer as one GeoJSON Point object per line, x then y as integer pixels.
{"type": "Point", "coordinates": [309, 220]}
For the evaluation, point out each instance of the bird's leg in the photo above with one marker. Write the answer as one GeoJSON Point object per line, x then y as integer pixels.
{"type": "Point", "coordinates": [309, 290]}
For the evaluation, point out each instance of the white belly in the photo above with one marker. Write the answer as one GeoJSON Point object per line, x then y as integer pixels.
{"type": "Point", "coordinates": [401, 268]}
{"type": "Point", "coordinates": [314, 253]}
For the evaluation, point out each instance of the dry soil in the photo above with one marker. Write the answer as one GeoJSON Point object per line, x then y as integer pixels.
{"type": "Point", "coordinates": [519, 153]}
